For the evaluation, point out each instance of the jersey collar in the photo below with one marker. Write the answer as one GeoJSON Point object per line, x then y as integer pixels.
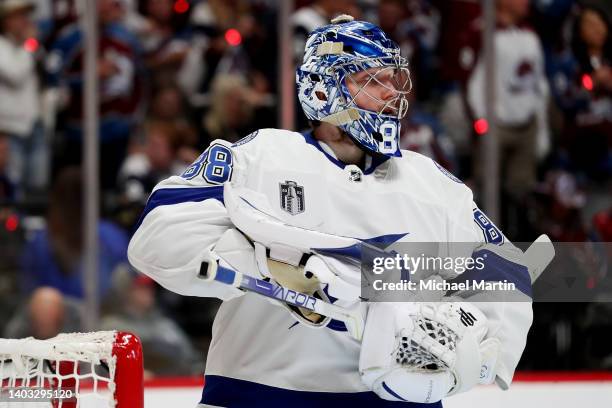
{"type": "Point", "coordinates": [372, 162]}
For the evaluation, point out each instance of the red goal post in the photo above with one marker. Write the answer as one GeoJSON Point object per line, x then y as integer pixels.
{"type": "Point", "coordinates": [101, 369]}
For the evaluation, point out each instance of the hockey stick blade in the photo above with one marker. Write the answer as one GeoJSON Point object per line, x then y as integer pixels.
{"type": "Point", "coordinates": [539, 254]}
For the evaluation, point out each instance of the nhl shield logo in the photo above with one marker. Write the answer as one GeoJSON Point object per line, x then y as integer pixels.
{"type": "Point", "coordinates": [291, 197]}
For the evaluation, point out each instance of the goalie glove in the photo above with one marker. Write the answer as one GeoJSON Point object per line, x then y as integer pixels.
{"type": "Point", "coordinates": [310, 275]}
{"type": "Point", "coordinates": [297, 278]}
{"type": "Point", "coordinates": [422, 352]}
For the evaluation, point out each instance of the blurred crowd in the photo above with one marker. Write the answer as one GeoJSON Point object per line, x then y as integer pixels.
{"type": "Point", "coordinates": [176, 74]}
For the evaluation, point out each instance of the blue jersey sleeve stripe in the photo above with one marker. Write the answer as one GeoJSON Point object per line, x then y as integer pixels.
{"type": "Point", "coordinates": [169, 196]}
{"type": "Point", "coordinates": [498, 269]}
{"type": "Point", "coordinates": [230, 392]}
{"type": "Point", "coordinates": [336, 325]}
{"type": "Point", "coordinates": [385, 240]}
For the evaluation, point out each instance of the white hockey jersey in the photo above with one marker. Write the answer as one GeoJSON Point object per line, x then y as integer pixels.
{"type": "Point", "coordinates": [259, 354]}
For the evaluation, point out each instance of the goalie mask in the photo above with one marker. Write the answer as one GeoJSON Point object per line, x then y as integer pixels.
{"type": "Point", "coordinates": [353, 76]}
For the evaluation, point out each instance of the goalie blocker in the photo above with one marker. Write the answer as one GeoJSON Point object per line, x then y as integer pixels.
{"type": "Point", "coordinates": [423, 352]}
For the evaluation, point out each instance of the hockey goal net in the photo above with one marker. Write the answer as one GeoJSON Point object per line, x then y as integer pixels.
{"type": "Point", "coordinates": [72, 370]}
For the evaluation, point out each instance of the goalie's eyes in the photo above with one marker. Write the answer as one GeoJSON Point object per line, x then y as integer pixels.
{"type": "Point", "coordinates": [360, 78]}
{"type": "Point", "coordinates": [385, 76]}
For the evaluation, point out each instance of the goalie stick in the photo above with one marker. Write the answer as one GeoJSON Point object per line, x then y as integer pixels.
{"type": "Point", "coordinates": [352, 318]}
{"type": "Point", "coordinates": [539, 254]}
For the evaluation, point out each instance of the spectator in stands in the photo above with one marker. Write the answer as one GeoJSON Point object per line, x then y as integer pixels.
{"type": "Point", "coordinates": [213, 52]}
{"type": "Point", "coordinates": [120, 88]}
{"type": "Point", "coordinates": [601, 231]}
{"type": "Point", "coordinates": [167, 349]}
{"type": "Point", "coordinates": [20, 96]}
{"type": "Point", "coordinates": [560, 203]}
{"type": "Point", "coordinates": [168, 104]}
{"type": "Point", "coordinates": [52, 16]}
{"type": "Point", "coordinates": [590, 135]}
{"type": "Point", "coordinates": [236, 37]}
{"type": "Point", "coordinates": [521, 90]}
{"type": "Point", "coordinates": [7, 189]}
{"type": "Point", "coordinates": [164, 39]}
{"type": "Point", "coordinates": [316, 15]}
{"type": "Point", "coordinates": [592, 45]}
{"type": "Point", "coordinates": [233, 105]}
{"type": "Point", "coordinates": [460, 20]}
{"type": "Point", "coordinates": [158, 159]}
{"type": "Point", "coordinates": [53, 256]}
{"type": "Point", "coordinates": [422, 132]}
{"type": "Point", "coordinates": [391, 15]}
{"type": "Point", "coordinates": [602, 227]}
{"type": "Point", "coordinates": [414, 26]}
{"type": "Point", "coordinates": [459, 31]}
{"type": "Point", "coordinates": [562, 70]}
{"type": "Point", "coordinates": [46, 314]}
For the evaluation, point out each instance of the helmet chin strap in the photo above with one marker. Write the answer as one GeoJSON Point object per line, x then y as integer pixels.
{"type": "Point", "coordinates": [362, 163]}
{"type": "Point", "coordinates": [335, 140]}
{"type": "Point", "coordinates": [342, 117]}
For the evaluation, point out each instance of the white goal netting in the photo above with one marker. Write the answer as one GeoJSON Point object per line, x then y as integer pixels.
{"type": "Point", "coordinates": [44, 373]}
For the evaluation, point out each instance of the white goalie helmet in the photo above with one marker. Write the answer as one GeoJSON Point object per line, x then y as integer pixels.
{"type": "Point", "coordinates": [343, 62]}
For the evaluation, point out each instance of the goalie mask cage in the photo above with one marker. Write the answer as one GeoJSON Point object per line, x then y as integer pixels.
{"type": "Point", "coordinates": [102, 369]}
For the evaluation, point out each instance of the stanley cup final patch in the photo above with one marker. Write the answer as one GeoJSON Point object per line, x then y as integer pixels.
{"type": "Point", "coordinates": [291, 197]}
{"type": "Point", "coordinates": [355, 175]}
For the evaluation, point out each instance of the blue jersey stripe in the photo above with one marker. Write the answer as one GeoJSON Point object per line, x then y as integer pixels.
{"type": "Point", "coordinates": [169, 196]}
{"type": "Point", "coordinates": [361, 252]}
{"type": "Point", "coordinates": [230, 392]}
{"type": "Point", "coordinates": [385, 240]}
{"type": "Point", "coordinates": [498, 269]}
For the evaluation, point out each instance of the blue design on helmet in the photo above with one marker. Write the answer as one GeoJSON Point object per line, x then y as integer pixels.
{"type": "Point", "coordinates": [332, 54]}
